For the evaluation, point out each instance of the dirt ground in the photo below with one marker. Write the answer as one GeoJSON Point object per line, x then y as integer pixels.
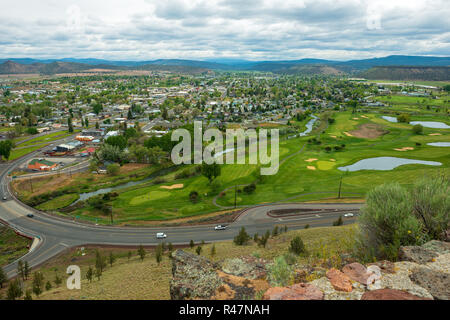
{"type": "Point", "coordinates": [368, 131]}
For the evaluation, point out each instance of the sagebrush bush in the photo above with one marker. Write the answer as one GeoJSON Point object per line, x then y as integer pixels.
{"type": "Point", "coordinates": [280, 273]}
{"type": "Point", "coordinates": [386, 222]}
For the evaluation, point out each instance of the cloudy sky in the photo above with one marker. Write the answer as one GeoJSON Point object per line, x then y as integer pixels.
{"type": "Point", "coordinates": [201, 29]}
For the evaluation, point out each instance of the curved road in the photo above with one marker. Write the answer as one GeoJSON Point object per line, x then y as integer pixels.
{"type": "Point", "coordinates": [58, 234]}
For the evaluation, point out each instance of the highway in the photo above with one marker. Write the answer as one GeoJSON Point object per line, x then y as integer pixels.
{"type": "Point", "coordinates": [58, 234]}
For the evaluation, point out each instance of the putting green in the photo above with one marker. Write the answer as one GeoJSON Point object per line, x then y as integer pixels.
{"type": "Point", "coordinates": [325, 165]}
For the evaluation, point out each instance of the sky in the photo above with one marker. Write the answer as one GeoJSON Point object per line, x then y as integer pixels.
{"type": "Point", "coordinates": [241, 29]}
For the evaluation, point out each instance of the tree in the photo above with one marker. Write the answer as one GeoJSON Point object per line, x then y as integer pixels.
{"type": "Point", "coordinates": [159, 253]}
{"type": "Point", "coordinates": [89, 274]}
{"type": "Point", "coordinates": [191, 244]}
{"type": "Point", "coordinates": [97, 108]}
{"type": "Point", "coordinates": [100, 261]}
{"type": "Point", "coordinates": [129, 255]}
{"type": "Point", "coordinates": [20, 269]}
{"type": "Point", "coordinates": [113, 169]}
{"type": "Point", "coordinates": [5, 148]}
{"type": "Point", "coordinates": [213, 250]}
{"type": "Point", "coordinates": [141, 252]}
{"type": "Point", "coordinates": [338, 222]}
{"type": "Point", "coordinates": [86, 122]}
{"type": "Point", "coordinates": [14, 290]}
{"type": "Point", "coordinates": [210, 171]}
{"type": "Point", "coordinates": [297, 246]}
{"type": "Point", "coordinates": [26, 269]}
{"type": "Point", "coordinates": [38, 283]}
{"type": "Point", "coordinates": [403, 118]}
{"type": "Point", "coordinates": [242, 238]}
{"type": "Point", "coordinates": [198, 250]}
{"type": "Point", "coordinates": [118, 141]}
{"type": "Point", "coordinates": [417, 129]}
{"type": "Point", "coordinates": [48, 285]}
{"type": "Point", "coordinates": [28, 295]}
{"type": "Point", "coordinates": [97, 126]}
{"type": "Point", "coordinates": [58, 280]}
{"type": "Point", "coordinates": [69, 124]}
{"type": "Point", "coordinates": [111, 259]}
{"type": "Point", "coordinates": [3, 278]}
{"type": "Point", "coordinates": [193, 196]}
{"type": "Point", "coordinates": [170, 247]}
{"type": "Point", "coordinates": [98, 273]}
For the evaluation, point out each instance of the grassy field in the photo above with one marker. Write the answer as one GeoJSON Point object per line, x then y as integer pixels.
{"type": "Point", "coordinates": [309, 175]}
{"type": "Point", "coordinates": [58, 202]}
{"type": "Point", "coordinates": [136, 279]}
{"type": "Point", "coordinates": [12, 246]}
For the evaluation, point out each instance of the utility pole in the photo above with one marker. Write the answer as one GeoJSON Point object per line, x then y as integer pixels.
{"type": "Point", "coordinates": [340, 186]}
{"type": "Point", "coordinates": [235, 192]}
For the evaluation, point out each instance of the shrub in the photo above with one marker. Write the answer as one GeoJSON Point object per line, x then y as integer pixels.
{"type": "Point", "coordinates": [403, 118]}
{"type": "Point", "coordinates": [242, 238]}
{"type": "Point", "coordinates": [290, 258]}
{"type": "Point", "coordinates": [280, 273]}
{"type": "Point", "coordinates": [386, 223]}
{"type": "Point", "coordinates": [297, 246]}
{"type": "Point", "coordinates": [417, 129]}
{"type": "Point", "coordinates": [249, 189]}
{"type": "Point", "coordinates": [338, 222]}
{"type": "Point", "coordinates": [113, 169]}
{"type": "Point", "coordinates": [193, 196]}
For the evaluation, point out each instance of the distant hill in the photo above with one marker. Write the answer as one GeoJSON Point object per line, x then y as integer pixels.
{"type": "Point", "coordinates": [302, 66]}
{"type": "Point", "coordinates": [407, 73]}
{"type": "Point", "coordinates": [58, 67]}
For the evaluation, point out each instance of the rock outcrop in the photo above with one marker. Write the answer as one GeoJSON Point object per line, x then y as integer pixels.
{"type": "Point", "coordinates": [423, 273]}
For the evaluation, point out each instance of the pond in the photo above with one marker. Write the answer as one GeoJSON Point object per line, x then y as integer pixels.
{"type": "Point", "coordinates": [425, 124]}
{"type": "Point", "coordinates": [439, 144]}
{"type": "Point", "coordinates": [384, 163]}
{"type": "Point", "coordinates": [309, 127]}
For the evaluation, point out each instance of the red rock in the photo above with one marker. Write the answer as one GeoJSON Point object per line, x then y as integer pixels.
{"type": "Point", "coordinates": [299, 291]}
{"type": "Point", "coordinates": [339, 280]}
{"type": "Point", "coordinates": [390, 294]}
{"type": "Point", "coordinates": [357, 272]}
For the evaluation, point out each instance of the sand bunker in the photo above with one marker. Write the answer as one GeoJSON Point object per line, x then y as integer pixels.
{"type": "Point", "coordinates": [369, 131]}
{"type": "Point", "coordinates": [404, 149]}
{"type": "Point", "coordinates": [334, 160]}
{"type": "Point", "coordinates": [175, 186]}
{"type": "Point", "coordinates": [348, 134]}
{"type": "Point", "coordinates": [365, 117]}
{"type": "Point", "coordinates": [355, 118]}
{"type": "Point", "coordinates": [435, 134]}
{"type": "Point", "coordinates": [334, 137]}
{"type": "Point", "coordinates": [311, 168]}
{"type": "Point", "coordinates": [311, 160]}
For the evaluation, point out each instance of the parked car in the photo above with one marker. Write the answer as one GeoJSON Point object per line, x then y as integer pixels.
{"type": "Point", "coordinates": [220, 227]}
{"type": "Point", "coordinates": [348, 215]}
{"type": "Point", "coordinates": [161, 235]}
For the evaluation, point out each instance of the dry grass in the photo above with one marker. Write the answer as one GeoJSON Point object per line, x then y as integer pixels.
{"type": "Point", "coordinates": [136, 279]}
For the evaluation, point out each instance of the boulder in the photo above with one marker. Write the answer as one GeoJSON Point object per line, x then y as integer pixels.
{"type": "Point", "coordinates": [390, 294]}
{"type": "Point", "coordinates": [339, 280]}
{"type": "Point", "coordinates": [358, 272]}
{"type": "Point", "coordinates": [194, 277]}
{"type": "Point", "coordinates": [400, 280]}
{"type": "Point", "coordinates": [384, 265]}
{"type": "Point", "coordinates": [435, 282]}
{"type": "Point", "coordinates": [416, 254]}
{"type": "Point", "coordinates": [238, 288]}
{"type": "Point", "coordinates": [299, 291]}
{"type": "Point", "coordinates": [331, 294]}
{"type": "Point", "coordinates": [248, 267]}
{"type": "Point", "coordinates": [438, 247]}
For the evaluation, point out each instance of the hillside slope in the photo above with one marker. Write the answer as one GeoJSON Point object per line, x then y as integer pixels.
{"type": "Point", "coordinates": [408, 73]}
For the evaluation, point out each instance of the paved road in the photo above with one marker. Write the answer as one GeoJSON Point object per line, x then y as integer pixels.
{"type": "Point", "coordinates": [58, 234]}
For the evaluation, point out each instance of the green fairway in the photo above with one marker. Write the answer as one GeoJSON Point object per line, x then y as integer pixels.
{"type": "Point", "coordinates": [311, 174]}
{"type": "Point", "coordinates": [58, 202]}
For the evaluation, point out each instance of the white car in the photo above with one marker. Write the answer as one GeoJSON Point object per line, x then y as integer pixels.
{"type": "Point", "coordinates": [220, 227]}
{"type": "Point", "coordinates": [161, 235]}
{"type": "Point", "coordinates": [348, 215]}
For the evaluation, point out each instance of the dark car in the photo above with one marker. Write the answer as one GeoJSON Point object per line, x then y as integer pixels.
{"type": "Point", "coordinates": [30, 215]}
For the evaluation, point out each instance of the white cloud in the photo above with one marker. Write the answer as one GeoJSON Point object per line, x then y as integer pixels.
{"type": "Point", "coordinates": [196, 29]}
